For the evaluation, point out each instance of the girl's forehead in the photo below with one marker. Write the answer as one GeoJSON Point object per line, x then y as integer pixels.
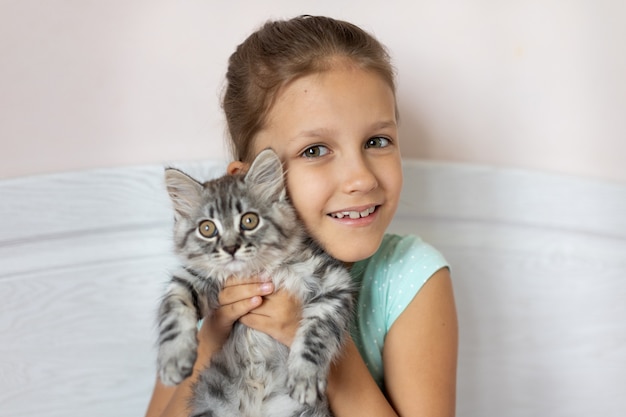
{"type": "Point", "coordinates": [323, 103]}
{"type": "Point", "coordinates": [359, 89]}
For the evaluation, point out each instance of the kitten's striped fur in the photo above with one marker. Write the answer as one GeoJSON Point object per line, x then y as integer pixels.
{"type": "Point", "coordinates": [253, 231]}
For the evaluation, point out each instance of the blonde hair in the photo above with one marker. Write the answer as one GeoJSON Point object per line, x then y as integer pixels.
{"type": "Point", "coordinates": [282, 51]}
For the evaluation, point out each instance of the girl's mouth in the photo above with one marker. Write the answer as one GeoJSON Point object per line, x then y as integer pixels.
{"type": "Point", "coordinates": [352, 214]}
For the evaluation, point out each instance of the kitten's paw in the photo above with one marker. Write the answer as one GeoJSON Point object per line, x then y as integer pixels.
{"type": "Point", "coordinates": [306, 382]}
{"type": "Point", "coordinates": [176, 358]}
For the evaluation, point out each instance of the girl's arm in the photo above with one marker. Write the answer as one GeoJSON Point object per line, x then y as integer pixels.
{"type": "Point", "coordinates": [419, 359]}
{"type": "Point", "coordinates": [420, 353]}
{"type": "Point", "coordinates": [351, 389]}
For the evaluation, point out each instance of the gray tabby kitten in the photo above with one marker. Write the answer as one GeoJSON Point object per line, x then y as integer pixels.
{"type": "Point", "coordinates": [244, 226]}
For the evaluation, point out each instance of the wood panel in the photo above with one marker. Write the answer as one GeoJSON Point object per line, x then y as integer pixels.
{"type": "Point", "coordinates": [538, 261]}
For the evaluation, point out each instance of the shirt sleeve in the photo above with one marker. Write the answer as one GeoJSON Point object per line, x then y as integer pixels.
{"type": "Point", "coordinates": [410, 265]}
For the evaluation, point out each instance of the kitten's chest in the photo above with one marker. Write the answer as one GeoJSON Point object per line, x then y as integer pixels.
{"type": "Point", "coordinates": [257, 353]}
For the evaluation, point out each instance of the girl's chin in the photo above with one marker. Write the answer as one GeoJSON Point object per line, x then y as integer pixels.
{"type": "Point", "coordinates": [354, 252]}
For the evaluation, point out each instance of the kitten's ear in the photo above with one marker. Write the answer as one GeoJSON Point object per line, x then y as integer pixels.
{"type": "Point", "coordinates": [265, 176]}
{"type": "Point", "coordinates": [184, 191]}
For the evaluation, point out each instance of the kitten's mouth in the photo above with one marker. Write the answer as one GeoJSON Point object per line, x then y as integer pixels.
{"type": "Point", "coordinates": [353, 214]}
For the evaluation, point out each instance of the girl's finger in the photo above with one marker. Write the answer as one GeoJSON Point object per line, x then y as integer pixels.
{"type": "Point", "coordinates": [236, 293]}
{"type": "Point", "coordinates": [230, 313]}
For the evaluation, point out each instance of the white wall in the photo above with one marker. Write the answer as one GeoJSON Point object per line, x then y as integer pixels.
{"type": "Point", "coordinates": [527, 84]}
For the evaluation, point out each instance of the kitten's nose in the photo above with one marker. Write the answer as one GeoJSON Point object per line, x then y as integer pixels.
{"type": "Point", "coordinates": [231, 249]}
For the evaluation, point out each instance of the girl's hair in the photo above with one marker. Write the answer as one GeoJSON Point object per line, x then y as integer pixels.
{"type": "Point", "coordinates": [282, 51]}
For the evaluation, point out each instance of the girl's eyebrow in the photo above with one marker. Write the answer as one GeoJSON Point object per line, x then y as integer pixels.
{"type": "Point", "coordinates": [313, 134]}
{"type": "Point", "coordinates": [385, 124]}
{"type": "Point", "coordinates": [326, 132]}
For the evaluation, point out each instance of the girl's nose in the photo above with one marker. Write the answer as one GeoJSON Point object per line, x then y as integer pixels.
{"type": "Point", "coordinates": [358, 176]}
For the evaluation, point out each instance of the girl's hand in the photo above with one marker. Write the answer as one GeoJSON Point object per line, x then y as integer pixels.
{"type": "Point", "coordinates": [278, 316]}
{"type": "Point", "coordinates": [236, 299]}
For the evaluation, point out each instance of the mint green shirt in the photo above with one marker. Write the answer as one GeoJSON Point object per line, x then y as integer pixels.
{"type": "Point", "coordinates": [388, 281]}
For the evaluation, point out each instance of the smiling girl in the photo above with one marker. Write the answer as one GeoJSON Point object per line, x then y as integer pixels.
{"type": "Point", "coordinates": [321, 93]}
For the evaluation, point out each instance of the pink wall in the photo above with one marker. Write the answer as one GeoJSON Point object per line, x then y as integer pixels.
{"type": "Point", "coordinates": [532, 85]}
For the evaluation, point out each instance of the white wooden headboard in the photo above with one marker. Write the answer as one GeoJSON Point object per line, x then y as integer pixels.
{"type": "Point", "coordinates": [538, 261]}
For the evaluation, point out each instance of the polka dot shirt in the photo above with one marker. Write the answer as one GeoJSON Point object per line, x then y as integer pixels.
{"type": "Point", "coordinates": [388, 281]}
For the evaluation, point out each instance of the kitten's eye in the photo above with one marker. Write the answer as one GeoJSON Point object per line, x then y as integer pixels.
{"type": "Point", "coordinates": [207, 228]}
{"type": "Point", "coordinates": [377, 142]}
{"type": "Point", "coordinates": [249, 221]}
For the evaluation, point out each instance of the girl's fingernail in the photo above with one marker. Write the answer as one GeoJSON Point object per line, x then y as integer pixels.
{"type": "Point", "coordinates": [267, 287]}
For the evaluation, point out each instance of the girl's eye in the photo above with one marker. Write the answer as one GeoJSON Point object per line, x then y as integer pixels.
{"type": "Point", "coordinates": [207, 229]}
{"type": "Point", "coordinates": [377, 142]}
{"type": "Point", "coordinates": [249, 221]}
{"type": "Point", "coordinates": [315, 151]}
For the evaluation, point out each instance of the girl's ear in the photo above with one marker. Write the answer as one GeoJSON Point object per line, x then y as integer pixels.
{"type": "Point", "coordinates": [237, 167]}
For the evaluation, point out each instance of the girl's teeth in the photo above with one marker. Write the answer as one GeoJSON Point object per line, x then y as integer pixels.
{"type": "Point", "coordinates": [354, 214]}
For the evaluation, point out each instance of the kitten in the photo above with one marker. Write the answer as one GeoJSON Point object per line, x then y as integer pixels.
{"type": "Point", "coordinates": [244, 226]}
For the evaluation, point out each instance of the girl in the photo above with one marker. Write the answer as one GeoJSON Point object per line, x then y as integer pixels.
{"type": "Point", "coordinates": [321, 93]}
